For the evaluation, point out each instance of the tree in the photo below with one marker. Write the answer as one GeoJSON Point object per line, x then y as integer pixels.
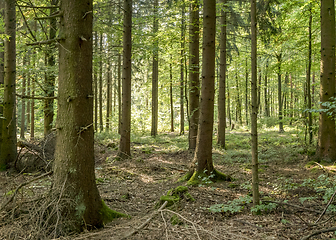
{"type": "Point", "coordinates": [74, 175]}
{"type": "Point", "coordinates": [8, 147]}
{"type": "Point", "coordinates": [182, 69]}
{"type": "Point", "coordinates": [50, 76]}
{"type": "Point", "coordinates": [194, 73]}
{"type": "Point", "coordinates": [254, 115]}
{"type": "Point", "coordinates": [155, 71]}
{"type": "Point", "coordinates": [326, 138]}
{"type": "Point", "coordinates": [203, 151]}
{"type": "Point", "coordinates": [125, 138]}
{"type": "Point", "coordinates": [2, 60]}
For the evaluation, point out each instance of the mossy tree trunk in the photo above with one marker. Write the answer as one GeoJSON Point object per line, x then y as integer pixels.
{"type": "Point", "coordinates": [222, 80]}
{"type": "Point", "coordinates": [254, 115]}
{"type": "Point", "coordinates": [326, 138]}
{"type": "Point", "coordinates": [8, 147]}
{"type": "Point", "coordinates": [125, 138]}
{"type": "Point", "coordinates": [194, 83]}
{"type": "Point", "coordinates": [74, 176]}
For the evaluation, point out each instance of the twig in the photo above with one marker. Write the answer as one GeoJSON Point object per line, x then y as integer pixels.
{"type": "Point", "coordinates": [38, 98]}
{"type": "Point", "coordinates": [22, 185]}
{"type": "Point", "coordinates": [325, 209]}
{"type": "Point", "coordinates": [146, 222]}
{"type": "Point", "coordinates": [166, 227]}
{"type": "Point", "coordinates": [319, 232]}
{"type": "Point", "coordinates": [292, 205]}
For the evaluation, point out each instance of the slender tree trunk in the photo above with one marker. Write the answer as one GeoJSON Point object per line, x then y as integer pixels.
{"type": "Point", "coordinates": [310, 121]}
{"type": "Point", "coordinates": [326, 138]}
{"type": "Point", "coordinates": [182, 70]}
{"type": "Point", "coordinates": [203, 152]}
{"type": "Point", "coordinates": [280, 103]}
{"type": "Point", "coordinates": [222, 81]}
{"type": "Point", "coordinates": [108, 95]}
{"type": "Point", "coordinates": [228, 104]}
{"type": "Point", "coordinates": [23, 103]}
{"type": "Point", "coordinates": [8, 148]}
{"type": "Point", "coordinates": [155, 73]}
{"type": "Point", "coordinates": [119, 93]}
{"type": "Point", "coordinates": [194, 74]}
{"type": "Point", "coordinates": [239, 104]}
{"type": "Point", "coordinates": [259, 92]}
{"type": "Point", "coordinates": [95, 80]}
{"type": "Point", "coordinates": [171, 96]}
{"type": "Point", "coordinates": [254, 115]}
{"type": "Point", "coordinates": [125, 138]}
{"type": "Point", "coordinates": [50, 76]}
{"type": "Point", "coordinates": [267, 113]}
{"type": "Point", "coordinates": [101, 124]}
{"type": "Point", "coordinates": [246, 95]}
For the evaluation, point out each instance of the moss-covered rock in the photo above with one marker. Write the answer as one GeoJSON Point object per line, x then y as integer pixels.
{"type": "Point", "coordinates": [174, 196]}
{"type": "Point", "coordinates": [108, 214]}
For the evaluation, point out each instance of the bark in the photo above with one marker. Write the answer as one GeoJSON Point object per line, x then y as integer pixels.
{"type": "Point", "coordinates": [171, 96]}
{"type": "Point", "coordinates": [309, 102]}
{"type": "Point", "coordinates": [194, 74]}
{"type": "Point", "coordinates": [100, 96]}
{"type": "Point", "coordinates": [246, 95]}
{"type": "Point", "coordinates": [266, 97]}
{"type": "Point", "coordinates": [228, 104]}
{"type": "Point", "coordinates": [108, 94]}
{"type": "Point", "coordinates": [8, 148]}
{"type": "Point", "coordinates": [74, 176]}
{"type": "Point", "coordinates": [254, 115]}
{"type": "Point", "coordinates": [125, 128]}
{"type": "Point", "coordinates": [222, 81]}
{"type": "Point", "coordinates": [326, 138]}
{"type": "Point", "coordinates": [182, 70]}
{"type": "Point", "coordinates": [119, 78]}
{"type": "Point", "coordinates": [23, 103]}
{"type": "Point", "coordinates": [238, 103]}
{"type": "Point", "coordinates": [155, 72]}
{"type": "Point", "coordinates": [280, 103]}
{"type": "Point", "coordinates": [203, 152]}
{"type": "Point", "coordinates": [95, 81]}
{"type": "Point", "coordinates": [2, 60]}
{"type": "Point", "coordinates": [50, 76]}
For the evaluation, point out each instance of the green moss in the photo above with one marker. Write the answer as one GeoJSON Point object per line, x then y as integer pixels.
{"type": "Point", "coordinates": [203, 178]}
{"type": "Point", "coordinates": [170, 199]}
{"type": "Point", "coordinates": [310, 163]}
{"type": "Point", "coordinates": [181, 189]}
{"type": "Point", "coordinates": [175, 195]}
{"type": "Point", "coordinates": [108, 214]}
{"type": "Point", "coordinates": [185, 177]}
{"type": "Point", "coordinates": [189, 197]}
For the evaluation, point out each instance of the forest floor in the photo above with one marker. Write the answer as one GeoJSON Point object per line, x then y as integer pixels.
{"type": "Point", "coordinates": [294, 190]}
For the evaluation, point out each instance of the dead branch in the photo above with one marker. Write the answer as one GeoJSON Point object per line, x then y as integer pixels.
{"type": "Point", "coordinates": [57, 14]}
{"type": "Point", "coordinates": [49, 41]}
{"type": "Point", "coordinates": [22, 185]}
{"type": "Point", "coordinates": [38, 98]}
{"type": "Point", "coordinates": [146, 222]}
{"type": "Point", "coordinates": [325, 209]}
{"type": "Point", "coordinates": [32, 6]}
{"type": "Point", "coordinates": [319, 232]}
{"type": "Point", "coordinates": [293, 205]}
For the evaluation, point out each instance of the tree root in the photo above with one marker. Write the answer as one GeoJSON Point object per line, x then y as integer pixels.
{"type": "Point", "coordinates": [319, 232]}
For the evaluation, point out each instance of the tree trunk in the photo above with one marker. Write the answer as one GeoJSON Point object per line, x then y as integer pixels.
{"type": "Point", "coordinates": [309, 102]}
{"type": "Point", "coordinates": [228, 104]}
{"type": "Point", "coordinates": [267, 113]}
{"type": "Point", "coordinates": [101, 127]}
{"type": "Point", "coordinates": [326, 139]}
{"type": "Point", "coordinates": [50, 76]}
{"type": "Point", "coordinates": [279, 58]}
{"type": "Point", "coordinates": [108, 94]}
{"type": "Point", "coordinates": [239, 104]}
{"type": "Point", "coordinates": [125, 138]}
{"type": "Point", "coordinates": [155, 73]}
{"type": "Point", "coordinates": [194, 74]}
{"type": "Point", "coordinates": [8, 148]}
{"type": "Point", "coordinates": [222, 80]}
{"type": "Point", "coordinates": [246, 95]}
{"type": "Point", "coordinates": [23, 101]}
{"type": "Point", "coordinates": [182, 70]}
{"type": "Point", "coordinates": [203, 152]}
{"type": "Point", "coordinates": [254, 115]}
{"type": "Point", "coordinates": [95, 82]}
{"type": "Point", "coordinates": [171, 96]}
{"type": "Point", "coordinates": [2, 60]}
{"type": "Point", "coordinates": [74, 176]}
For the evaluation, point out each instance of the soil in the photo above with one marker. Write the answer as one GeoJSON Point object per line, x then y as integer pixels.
{"type": "Point", "coordinates": [134, 187]}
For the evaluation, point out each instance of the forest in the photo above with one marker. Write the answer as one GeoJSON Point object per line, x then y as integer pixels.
{"type": "Point", "coordinates": [167, 119]}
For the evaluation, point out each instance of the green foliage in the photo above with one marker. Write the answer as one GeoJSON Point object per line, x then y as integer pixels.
{"type": "Point", "coordinates": [263, 208]}
{"type": "Point", "coordinates": [175, 220]}
{"type": "Point", "coordinates": [198, 179]}
{"type": "Point", "coordinates": [174, 196]}
{"type": "Point", "coordinates": [234, 206]}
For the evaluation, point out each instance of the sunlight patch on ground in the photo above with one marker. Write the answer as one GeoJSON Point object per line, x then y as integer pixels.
{"type": "Point", "coordinates": [146, 178]}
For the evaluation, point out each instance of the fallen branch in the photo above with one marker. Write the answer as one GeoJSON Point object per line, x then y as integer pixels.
{"type": "Point", "coordinates": [292, 205]}
{"type": "Point", "coordinates": [325, 209]}
{"type": "Point", "coordinates": [22, 185]}
{"type": "Point", "coordinates": [146, 222]}
{"type": "Point", "coordinates": [319, 232]}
